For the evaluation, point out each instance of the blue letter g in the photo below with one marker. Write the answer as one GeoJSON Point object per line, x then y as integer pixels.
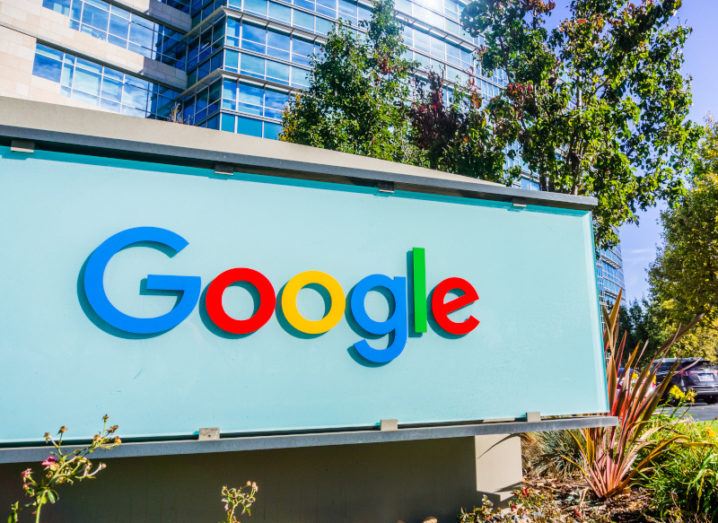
{"type": "Point", "coordinates": [188, 286]}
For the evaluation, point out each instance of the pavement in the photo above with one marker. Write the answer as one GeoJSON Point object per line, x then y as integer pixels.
{"type": "Point", "coordinates": [703, 412]}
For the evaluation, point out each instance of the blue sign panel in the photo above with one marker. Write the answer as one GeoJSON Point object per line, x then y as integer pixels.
{"type": "Point", "coordinates": [173, 299]}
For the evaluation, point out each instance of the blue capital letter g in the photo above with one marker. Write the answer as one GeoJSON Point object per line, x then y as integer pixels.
{"type": "Point", "coordinates": [93, 282]}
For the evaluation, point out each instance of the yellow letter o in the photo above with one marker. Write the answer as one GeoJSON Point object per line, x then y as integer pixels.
{"type": "Point", "coordinates": [336, 302]}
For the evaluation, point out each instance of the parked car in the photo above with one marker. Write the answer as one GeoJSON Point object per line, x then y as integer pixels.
{"type": "Point", "coordinates": [696, 374]}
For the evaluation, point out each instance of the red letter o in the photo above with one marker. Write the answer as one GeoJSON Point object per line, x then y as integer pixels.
{"type": "Point", "coordinates": [216, 312]}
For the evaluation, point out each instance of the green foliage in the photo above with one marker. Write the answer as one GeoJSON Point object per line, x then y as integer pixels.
{"type": "Point", "coordinates": [239, 499]}
{"type": "Point", "coordinates": [684, 482]}
{"type": "Point", "coordinates": [596, 104]}
{"type": "Point", "coordinates": [639, 323]}
{"type": "Point", "coordinates": [61, 469]}
{"type": "Point", "coordinates": [684, 277]}
{"type": "Point", "coordinates": [358, 99]}
{"type": "Point", "coordinates": [457, 137]}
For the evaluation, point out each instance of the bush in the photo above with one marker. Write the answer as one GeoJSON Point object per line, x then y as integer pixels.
{"type": "Point", "coordinates": [684, 482]}
{"type": "Point", "coordinates": [553, 452]}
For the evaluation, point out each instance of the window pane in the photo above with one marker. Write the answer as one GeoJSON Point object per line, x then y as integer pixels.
{"type": "Point", "coordinates": [250, 99]}
{"type": "Point", "coordinates": [256, 6]}
{"type": "Point", "coordinates": [272, 130]}
{"type": "Point", "coordinates": [87, 81]}
{"type": "Point", "coordinates": [249, 126]}
{"type": "Point", "coordinates": [231, 60]}
{"type": "Point", "coordinates": [233, 31]}
{"type": "Point", "coordinates": [327, 7]}
{"type": "Point", "coordinates": [304, 20]}
{"type": "Point", "coordinates": [48, 63]}
{"type": "Point", "coordinates": [228, 122]}
{"type": "Point", "coordinates": [60, 6]}
{"type": "Point", "coordinates": [95, 17]}
{"type": "Point", "coordinates": [278, 72]}
{"type": "Point", "coordinates": [253, 38]}
{"type": "Point", "coordinates": [302, 51]}
{"type": "Point", "coordinates": [274, 102]}
{"type": "Point", "coordinates": [229, 94]}
{"type": "Point", "coordinates": [278, 45]}
{"type": "Point", "coordinates": [253, 66]}
{"type": "Point", "coordinates": [280, 12]}
{"type": "Point", "coordinates": [324, 27]}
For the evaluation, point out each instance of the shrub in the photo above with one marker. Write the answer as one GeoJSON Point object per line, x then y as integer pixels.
{"type": "Point", "coordinates": [553, 452]}
{"type": "Point", "coordinates": [684, 482]}
{"type": "Point", "coordinates": [239, 499]}
{"type": "Point", "coordinates": [61, 469]}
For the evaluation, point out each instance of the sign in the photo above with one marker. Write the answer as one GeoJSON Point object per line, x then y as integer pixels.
{"type": "Point", "coordinates": [188, 287]}
{"type": "Point", "coordinates": [173, 299]}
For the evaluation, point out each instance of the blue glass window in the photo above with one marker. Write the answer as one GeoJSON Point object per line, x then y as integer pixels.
{"type": "Point", "coordinates": [274, 102]}
{"type": "Point", "coordinates": [231, 61]}
{"type": "Point", "coordinates": [120, 27]}
{"type": "Point", "coordinates": [304, 20]}
{"type": "Point", "coordinates": [302, 51]}
{"type": "Point", "coordinates": [272, 130]}
{"type": "Point", "coordinates": [233, 32]}
{"type": "Point", "coordinates": [229, 94]}
{"type": "Point", "coordinates": [327, 7]}
{"type": "Point", "coordinates": [277, 72]}
{"type": "Point", "coordinates": [278, 45]}
{"type": "Point", "coordinates": [280, 12]}
{"type": "Point", "coordinates": [229, 122]}
{"type": "Point", "coordinates": [59, 6]}
{"type": "Point", "coordinates": [250, 99]}
{"type": "Point", "coordinates": [98, 85]}
{"type": "Point", "coordinates": [254, 38]}
{"type": "Point", "coordinates": [249, 126]}
{"type": "Point", "coordinates": [252, 66]}
{"type": "Point", "coordinates": [256, 6]}
{"type": "Point", "coordinates": [48, 63]}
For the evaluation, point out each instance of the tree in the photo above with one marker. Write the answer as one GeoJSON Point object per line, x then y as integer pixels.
{"type": "Point", "coordinates": [457, 137]}
{"type": "Point", "coordinates": [597, 104]}
{"type": "Point", "coordinates": [637, 322]}
{"type": "Point", "coordinates": [684, 277]}
{"type": "Point", "coordinates": [359, 95]}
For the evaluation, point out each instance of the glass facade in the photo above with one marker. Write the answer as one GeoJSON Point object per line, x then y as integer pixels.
{"type": "Point", "coordinates": [609, 274]}
{"type": "Point", "coordinates": [120, 27]}
{"type": "Point", "coordinates": [107, 88]}
{"type": "Point", "coordinates": [244, 59]}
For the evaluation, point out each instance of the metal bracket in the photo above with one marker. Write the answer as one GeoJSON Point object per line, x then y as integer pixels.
{"type": "Point", "coordinates": [209, 434]}
{"type": "Point", "coordinates": [386, 187]}
{"type": "Point", "coordinates": [389, 425]}
{"type": "Point", "coordinates": [533, 417]}
{"type": "Point", "coordinates": [22, 146]}
{"type": "Point", "coordinates": [224, 169]}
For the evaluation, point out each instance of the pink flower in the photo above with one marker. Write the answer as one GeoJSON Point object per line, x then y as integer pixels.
{"type": "Point", "coordinates": [49, 462]}
{"type": "Point", "coordinates": [25, 474]}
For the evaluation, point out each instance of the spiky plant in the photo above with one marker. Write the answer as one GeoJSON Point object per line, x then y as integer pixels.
{"type": "Point", "coordinates": [611, 457]}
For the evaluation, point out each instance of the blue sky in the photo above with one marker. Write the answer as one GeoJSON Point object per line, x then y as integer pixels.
{"type": "Point", "coordinates": [639, 242]}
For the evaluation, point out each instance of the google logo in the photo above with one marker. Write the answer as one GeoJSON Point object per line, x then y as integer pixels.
{"type": "Point", "coordinates": [448, 296]}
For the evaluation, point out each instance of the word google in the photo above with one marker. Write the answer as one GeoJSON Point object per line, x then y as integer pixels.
{"type": "Point", "coordinates": [189, 288]}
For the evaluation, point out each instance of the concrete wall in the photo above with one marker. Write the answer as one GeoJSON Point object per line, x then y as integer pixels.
{"type": "Point", "coordinates": [375, 483]}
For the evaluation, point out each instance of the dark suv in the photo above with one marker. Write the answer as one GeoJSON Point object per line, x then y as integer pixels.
{"type": "Point", "coordinates": [694, 374]}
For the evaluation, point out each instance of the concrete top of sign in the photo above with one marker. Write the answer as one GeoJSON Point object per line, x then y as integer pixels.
{"type": "Point", "coordinates": [71, 129]}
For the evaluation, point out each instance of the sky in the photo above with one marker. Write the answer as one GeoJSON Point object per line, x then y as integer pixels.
{"type": "Point", "coordinates": [639, 242]}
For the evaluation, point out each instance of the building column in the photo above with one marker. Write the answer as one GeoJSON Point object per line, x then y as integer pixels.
{"type": "Point", "coordinates": [498, 466]}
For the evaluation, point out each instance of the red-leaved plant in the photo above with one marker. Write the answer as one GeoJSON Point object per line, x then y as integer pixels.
{"type": "Point", "coordinates": [612, 456]}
